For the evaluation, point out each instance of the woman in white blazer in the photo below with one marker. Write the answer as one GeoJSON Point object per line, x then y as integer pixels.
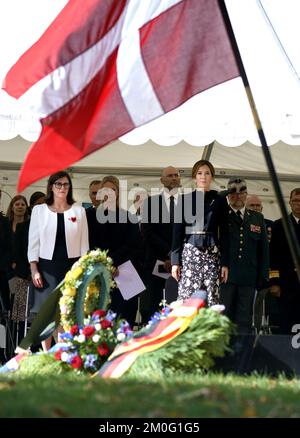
{"type": "Point", "coordinates": [58, 236]}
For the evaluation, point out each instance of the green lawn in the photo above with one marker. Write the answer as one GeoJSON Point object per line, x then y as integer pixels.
{"type": "Point", "coordinates": [41, 389]}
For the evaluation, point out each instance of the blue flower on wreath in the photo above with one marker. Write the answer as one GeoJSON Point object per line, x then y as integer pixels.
{"type": "Point", "coordinates": [90, 360]}
{"type": "Point", "coordinates": [155, 317]}
{"type": "Point", "coordinates": [158, 316]}
{"type": "Point", "coordinates": [110, 316]}
{"type": "Point", "coordinates": [66, 336]}
{"type": "Point", "coordinates": [71, 355]}
{"type": "Point", "coordinates": [165, 312]}
{"type": "Point", "coordinates": [125, 328]}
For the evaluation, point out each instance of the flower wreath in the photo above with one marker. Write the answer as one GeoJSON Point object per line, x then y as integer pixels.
{"type": "Point", "coordinates": [86, 288]}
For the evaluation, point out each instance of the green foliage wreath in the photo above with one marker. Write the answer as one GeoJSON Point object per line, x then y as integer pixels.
{"type": "Point", "coordinates": [86, 288]}
{"type": "Point", "coordinates": [206, 338]}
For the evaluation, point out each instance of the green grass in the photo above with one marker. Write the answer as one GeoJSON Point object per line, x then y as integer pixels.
{"type": "Point", "coordinates": [41, 389]}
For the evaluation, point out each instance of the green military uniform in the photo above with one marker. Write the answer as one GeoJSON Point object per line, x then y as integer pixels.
{"type": "Point", "coordinates": [248, 266]}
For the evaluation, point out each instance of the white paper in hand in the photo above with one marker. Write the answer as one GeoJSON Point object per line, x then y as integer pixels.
{"type": "Point", "coordinates": [128, 281]}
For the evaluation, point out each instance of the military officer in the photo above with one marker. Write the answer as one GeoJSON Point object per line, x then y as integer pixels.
{"type": "Point", "coordinates": [283, 276]}
{"type": "Point", "coordinates": [266, 304]}
{"type": "Point", "coordinates": [248, 257]}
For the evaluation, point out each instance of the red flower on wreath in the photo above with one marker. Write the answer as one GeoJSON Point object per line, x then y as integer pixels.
{"type": "Point", "coordinates": [74, 330]}
{"type": "Point", "coordinates": [103, 349]}
{"type": "Point", "coordinates": [73, 219]}
{"type": "Point", "coordinates": [57, 354]}
{"type": "Point", "coordinates": [99, 313]}
{"type": "Point", "coordinates": [105, 324]}
{"type": "Point", "coordinates": [88, 331]}
{"type": "Point", "coordinates": [76, 362]}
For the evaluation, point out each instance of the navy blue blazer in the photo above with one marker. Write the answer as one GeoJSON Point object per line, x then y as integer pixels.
{"type": "Point", "coordinates": [215, 224]}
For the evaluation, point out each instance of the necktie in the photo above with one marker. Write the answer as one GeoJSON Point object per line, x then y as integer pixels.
{"type": "Point", "coordinates": [172, 209]}
{"type": "Point", "coordinates": [239, 215]}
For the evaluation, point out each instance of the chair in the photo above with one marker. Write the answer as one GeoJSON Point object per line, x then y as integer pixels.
{"type": "Point", "coordinates": [260, 320]}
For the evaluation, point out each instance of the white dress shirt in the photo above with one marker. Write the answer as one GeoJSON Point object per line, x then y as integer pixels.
{"type": "Point", "coordinates": [167, 196]}
{"type": "Point", "coordinates": [297, 219]}
{"type": "Point", "coordinates": [242, 210]}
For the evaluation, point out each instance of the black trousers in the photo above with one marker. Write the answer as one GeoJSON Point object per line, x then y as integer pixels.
{"type": "Point", "coordinates": [238, 302]}
{"type": "Point", "coordinates": [124, 308]}
{"type": "Point", "coordinates": [289, 308]}
{"type": "Point", "coordinates": [152, 296]}
{"type": "Point", "coordinates": [4, 292]}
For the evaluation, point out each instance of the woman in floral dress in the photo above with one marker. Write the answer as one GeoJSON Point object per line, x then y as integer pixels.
{"type": "Point", "coordinates": [199, 254]}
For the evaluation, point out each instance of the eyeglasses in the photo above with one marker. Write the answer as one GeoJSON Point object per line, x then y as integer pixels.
{"type": "Point", "coordinates": [60, 185]}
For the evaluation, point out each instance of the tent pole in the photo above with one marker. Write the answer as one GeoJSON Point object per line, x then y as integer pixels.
{"type": "Point", "coordinates": [207, 151]}
{"type": "Point", "coordinates": [286, 219]}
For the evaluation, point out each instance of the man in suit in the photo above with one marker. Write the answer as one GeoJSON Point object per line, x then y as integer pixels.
{"type": "Point", "coordinates": [93, 190]}
{"type": "Point", "coordinates": [94, 186]}
{"type": "Point", "coordinates": [283, 276]}
{"type": "Point", "coordinates": [157, 228]}
{"type": "Point", "coordinates": [248, 257]}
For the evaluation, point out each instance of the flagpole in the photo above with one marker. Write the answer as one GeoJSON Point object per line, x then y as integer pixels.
{"type": "Point", "coordinates": [286, 219]}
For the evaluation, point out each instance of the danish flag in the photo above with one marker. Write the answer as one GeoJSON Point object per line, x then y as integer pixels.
{"type": "Point", "coordinates": [105, 67]}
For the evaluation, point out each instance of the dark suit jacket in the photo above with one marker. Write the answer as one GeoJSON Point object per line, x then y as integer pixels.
{"type": "Point", "coordinates": [281, 259]}
{"type": "Point", "coordinates": [268, 223]}
{"type": "Point", "coordinates": [5, 245]}
{"type": "Point", "coordinates": [122, 240]}
{"type": "Point", "coordinates": [215, 218]}
{"type": "Point", "coordinates": [156, 230]}
{"type": "Point", "coordinates": [21, 246]}
{"type": "Point", "coordinates": [248, 250]}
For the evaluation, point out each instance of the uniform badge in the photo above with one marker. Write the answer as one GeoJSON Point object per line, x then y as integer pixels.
{"type": "Point", "coordinates": [255, 228]}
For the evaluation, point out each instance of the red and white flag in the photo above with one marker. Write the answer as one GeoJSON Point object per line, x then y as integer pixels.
{"type": "Point", "coordinates": [105, 67]}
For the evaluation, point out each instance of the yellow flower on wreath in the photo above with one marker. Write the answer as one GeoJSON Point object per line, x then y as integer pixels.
{"type": "Point", "coordinates": [73, 280]}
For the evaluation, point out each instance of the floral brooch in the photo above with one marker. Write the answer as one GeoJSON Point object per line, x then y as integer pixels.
{"type": "Point", "coordinates": [72, 218]}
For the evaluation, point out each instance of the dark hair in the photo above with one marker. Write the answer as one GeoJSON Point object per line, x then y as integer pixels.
{"type": "Point", "coordinates": [201, 163]}
{"type": "Point", "coordinates": [52, 179]}
{"type": "Point", "coordinates": [95, 181]}
{"type": "Point", "coordinates": [295, 191]}
{"type": "Point", "coordinates": [35, 196]}
{"type": "Point", "coordinates": [10, 213]}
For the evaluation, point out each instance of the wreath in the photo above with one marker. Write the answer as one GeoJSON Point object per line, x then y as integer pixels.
{"type": "Point", "coordinates": [86, 288]}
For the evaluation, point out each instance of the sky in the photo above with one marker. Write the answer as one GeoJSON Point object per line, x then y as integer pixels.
{"type": "Point", "coordinates": [221, 113]}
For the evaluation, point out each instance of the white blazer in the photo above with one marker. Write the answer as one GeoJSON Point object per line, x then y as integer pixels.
{"type": "Point", "coordinates": [43, 227]}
